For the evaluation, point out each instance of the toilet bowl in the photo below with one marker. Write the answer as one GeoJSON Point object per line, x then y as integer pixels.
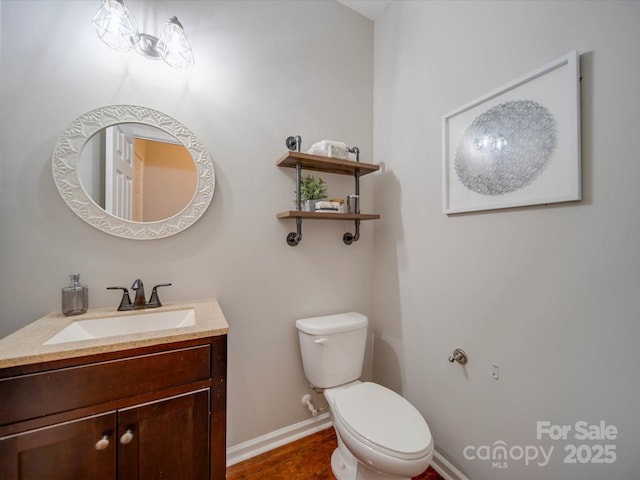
{"type": "Point", "coordinates": [381, 436]}
{"type": "Point", "coordinates": [382, 430]}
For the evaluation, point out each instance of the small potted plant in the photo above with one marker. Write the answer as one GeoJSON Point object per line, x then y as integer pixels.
{"type": "Point", "coordinates": [310, 191]}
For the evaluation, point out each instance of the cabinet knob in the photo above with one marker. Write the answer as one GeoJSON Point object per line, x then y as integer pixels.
{"type": "Point", "coordinates": [103, 443]}
{"type": "Point", "coordinates": [126, 437]}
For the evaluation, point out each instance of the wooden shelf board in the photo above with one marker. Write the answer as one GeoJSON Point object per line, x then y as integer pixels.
{"type": "Point", "coordinates": [326, 164]}
{"type": "Point", "coordinates": [328, 215]}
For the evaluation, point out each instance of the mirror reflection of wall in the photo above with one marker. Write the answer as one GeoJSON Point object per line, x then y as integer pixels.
{"type": "Point", "coordinates": [170, 179]}
{"type": "Point", "coordinates": [91, 168]}
{"type": "Point", "coordinates": [139, 173]}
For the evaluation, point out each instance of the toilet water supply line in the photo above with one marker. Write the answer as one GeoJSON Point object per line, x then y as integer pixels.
{"type": "Point", "coordinates": [306, 401]}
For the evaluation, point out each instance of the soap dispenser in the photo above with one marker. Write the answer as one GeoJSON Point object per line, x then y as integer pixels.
{"type": "Point", "coordinates": [75, 297]}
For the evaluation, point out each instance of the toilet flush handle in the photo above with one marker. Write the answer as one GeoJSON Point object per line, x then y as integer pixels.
{"type": "Point", "coordinates": [321, 341]}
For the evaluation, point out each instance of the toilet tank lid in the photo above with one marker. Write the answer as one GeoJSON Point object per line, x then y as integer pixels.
{"type": "Point", "coordinates": [328, 324]}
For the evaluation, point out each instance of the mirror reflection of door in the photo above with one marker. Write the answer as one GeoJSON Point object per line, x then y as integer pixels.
{"type": "Point", "coordinates": [138, 191]}
{"type": "Point", "coordinates": [138, 173]}
{"type": "Point", "coordinates": [119, 173]}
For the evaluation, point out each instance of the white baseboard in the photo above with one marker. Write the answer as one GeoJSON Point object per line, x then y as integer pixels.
{"type": "Point", "coordinates": [445, 468]}
{"type": "Point", "coordinates": [269, 441]}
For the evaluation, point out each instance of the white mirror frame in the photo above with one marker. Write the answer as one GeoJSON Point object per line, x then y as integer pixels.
{"type": "Point", "coordinates": [66, 156]}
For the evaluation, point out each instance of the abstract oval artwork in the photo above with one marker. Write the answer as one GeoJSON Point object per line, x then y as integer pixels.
{"type": "Point", "coordinates": [506, 148]}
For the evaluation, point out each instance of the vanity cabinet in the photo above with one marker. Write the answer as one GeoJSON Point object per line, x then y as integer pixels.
{"type": "Point", "coordinates": [143, 413]}
{"type": "Point", "coordinates": [66, 450]}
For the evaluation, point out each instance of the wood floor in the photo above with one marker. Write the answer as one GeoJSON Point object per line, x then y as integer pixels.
{"type": "Point", "coordinates": [306, 459]}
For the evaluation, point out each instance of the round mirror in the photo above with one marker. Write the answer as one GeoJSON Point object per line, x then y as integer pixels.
{"type": "Point", "coordinates": [133, 172]}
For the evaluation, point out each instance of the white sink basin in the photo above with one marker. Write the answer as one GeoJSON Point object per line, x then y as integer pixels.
{"type": "Point", "coordinates": [123, 325]}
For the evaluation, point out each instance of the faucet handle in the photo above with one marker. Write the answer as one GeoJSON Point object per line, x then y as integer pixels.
{"type": "Point", "coordinates": [125, 303]}
{"type": "Point", "coordinates": [154, 301]}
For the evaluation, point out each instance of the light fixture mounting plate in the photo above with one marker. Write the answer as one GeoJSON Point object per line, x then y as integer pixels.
{"type": "Point", "coordinates": [148, 46]}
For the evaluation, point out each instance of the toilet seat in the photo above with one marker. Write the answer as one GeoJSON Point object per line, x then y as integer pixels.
{"type": "Point", "coordinates": [383, 420]}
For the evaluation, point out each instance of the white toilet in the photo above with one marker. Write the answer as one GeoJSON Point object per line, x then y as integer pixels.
{"type": "Point", "coordinates": [381, 436]}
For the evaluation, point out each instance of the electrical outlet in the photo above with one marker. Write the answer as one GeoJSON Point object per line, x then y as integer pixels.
{"type": "Point", "coordinates": [495, 372]}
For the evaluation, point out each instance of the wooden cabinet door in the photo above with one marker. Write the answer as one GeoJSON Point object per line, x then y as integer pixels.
{"type": "Point", "coordinates": [66, 451]}
{"type": "Point", "coordinates": [167, 439]}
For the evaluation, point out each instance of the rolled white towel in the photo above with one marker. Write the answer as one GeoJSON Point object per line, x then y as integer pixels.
{"type": "Point", "coordinates": [324, 144]}
{"type": "Point", "coordinates": [318, 151]}
{"type": "Point", "coordinates": [322, 147]}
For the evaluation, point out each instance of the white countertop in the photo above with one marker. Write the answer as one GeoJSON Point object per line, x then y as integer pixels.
{"type": "Point", "coordinates": [26, 346]}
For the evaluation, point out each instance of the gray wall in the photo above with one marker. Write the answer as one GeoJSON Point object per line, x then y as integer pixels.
{"type": "Point", "coordinates": [264, 71]}
{"type": "Point", "coordinates": [549, 293]}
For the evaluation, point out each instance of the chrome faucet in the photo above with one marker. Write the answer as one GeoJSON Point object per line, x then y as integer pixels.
{"type": "Point", "coordinates": [139, 302]}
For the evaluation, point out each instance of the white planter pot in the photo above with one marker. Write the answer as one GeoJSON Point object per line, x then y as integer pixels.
{"type": "Point", "coordinates": [309, 206]}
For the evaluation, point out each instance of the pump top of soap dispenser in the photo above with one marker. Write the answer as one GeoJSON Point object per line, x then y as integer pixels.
{"type": "Point", "coordinates": [74, 280]}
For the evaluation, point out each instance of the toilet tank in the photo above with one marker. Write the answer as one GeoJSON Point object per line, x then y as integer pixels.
{"type": "Point", "coordinates": [332, 348]}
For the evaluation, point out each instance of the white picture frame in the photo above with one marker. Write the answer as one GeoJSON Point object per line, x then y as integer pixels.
{"type": "Point", "coordinates": [517, 145]}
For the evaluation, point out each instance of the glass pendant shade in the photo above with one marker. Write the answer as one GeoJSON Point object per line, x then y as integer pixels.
{"type": "Point", "coordinates": [116, 26]}
{"type": "Point", "coordinates": [174, 46]}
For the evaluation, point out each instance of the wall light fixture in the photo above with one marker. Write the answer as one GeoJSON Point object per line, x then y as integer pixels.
{"type": "Point", "coordinates": [117, 27]}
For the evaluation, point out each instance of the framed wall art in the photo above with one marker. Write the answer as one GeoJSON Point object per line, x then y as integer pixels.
{"type": "Point", "coordinates": [518, 145]}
